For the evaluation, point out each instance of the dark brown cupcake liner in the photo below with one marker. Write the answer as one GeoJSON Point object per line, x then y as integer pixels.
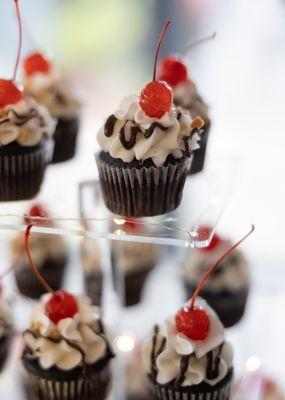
{"type": "Point", "coordinates": [21, 174]}
{"type": "Point", "coordinates": [229, 305]}
{"type": "Point", "coordinates": [65, 138]}
{"type": "Point", "coordinates": [52, 271]}
{"type": "Point", "coordinates": [93, 383]}
{"type": "Point", "coordinates": [5, 343]}
{"type": "Point", "coordinates": [199, 155]}
{"type": "Point", "coordinates": [142, 191]}
{"type": "Point", "coordinates": [203, 391]}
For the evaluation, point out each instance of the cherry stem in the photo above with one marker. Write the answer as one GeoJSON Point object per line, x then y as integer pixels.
{"type": "Point", "coordinates": [161, 37]}
{"type": "Point", "coordinates": [198, 42]}
{"type": "Point", "coordinates": [20, 39]}
{"type": "Point", "coordinates": [214, 266]}
{"type": "Point", "coordinates": [33, 266]}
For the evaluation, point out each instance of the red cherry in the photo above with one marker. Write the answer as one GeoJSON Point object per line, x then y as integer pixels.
{"type": "Point", "coordinates": [37, 211]}
{"type": "Point", "coordinates": [193, 323]}
{"type": "Point", "coordinates": [131, 224]}
{"type": "Point", "coordinates": [156, 99]}
{"type": "Point", "coordinates": [204, 233]}
{"type": "Point", "coordinates": [173, 71]}
{"type": "Point", "coordinates": [9, 93]}
{"type": "Point", "coordinates": [36, 62]}
{"type": "Point", "coordinates": [61, 305]}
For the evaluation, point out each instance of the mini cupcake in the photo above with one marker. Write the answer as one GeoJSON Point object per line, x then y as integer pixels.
{"type": "Point", "coordinates": [26, 145]}
{"type": "Point", "coordinates": [228, 287]}
{"type": "Point", "coordinates": [174, 71]}
{"type": "Point", "coordinates": [146, 147]}
{"type": "Point", "coordinates": [134, 261]}
{"type": "Point", "coordinates": [188, 358]}
{"type": "Point", "coordinates": [67, 354]}
{"type": "Point", "coordinates": [6, 331]}
{"type": "Point", "coordinates": [50, 86]}
{"type": "Point", "coordinates": [49, 253]}
{"type": "Point", "coordinates": [93, 276]}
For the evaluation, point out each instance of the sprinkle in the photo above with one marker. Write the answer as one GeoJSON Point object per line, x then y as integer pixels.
{"type": "Point", "coordinates": [198, 123]}
{"type": "Point", "coordinates": [22, 136]}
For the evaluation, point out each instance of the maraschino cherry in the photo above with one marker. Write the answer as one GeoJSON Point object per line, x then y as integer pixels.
{"type": "Point", "coordinates": [10, 92]}
{"type": "Point", "coordinates": [62, 304]}
{"type": "Point", "coordinates": [204, 232]}
{"type": "Point", "coordinates": [173, 70]}
{"type": "Point", "coordinates": [156, 97]}
{"type": "Point", "coordinates": [193, 321]}
{"type": "Point", "coordinates": [36, 63]}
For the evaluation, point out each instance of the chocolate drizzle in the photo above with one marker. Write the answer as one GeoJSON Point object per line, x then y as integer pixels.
{"type": "Point", "coordinates": [109, 125]}
{"type": "Point", "coordinates": [129, 144]}
{"type": "Point", "coordinates": [154, 353]}
{"type": "Point", "coordinates": [22, 119]}
{"type": "Point", "coordinates": [183, 369]}
{"type": "Point", "coordinates": [213, 364]}
{"type": "Point", "coordinates": [148, 132]}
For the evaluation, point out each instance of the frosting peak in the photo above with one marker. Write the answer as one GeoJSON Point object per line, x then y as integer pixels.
{"type": "Point", "coordinates": [171, 356]}
{"type": "Point", "coordinates": [69, 343]}
{"type": "Point", "coordinates": [131, 134]}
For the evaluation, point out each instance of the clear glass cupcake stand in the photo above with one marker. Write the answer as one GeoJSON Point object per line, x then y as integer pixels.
{"type": "Point", "coordinates": [203, 203]}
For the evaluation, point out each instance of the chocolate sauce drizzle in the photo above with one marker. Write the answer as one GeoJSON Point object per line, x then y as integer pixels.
{"type": "Point", "coordinates": [154, 353]}
{"type": "Point", "coordinates": [129, 144]}
{"type": "Point", "coordinates": [24, 118]}
{"type": "Point", "coordinates": [213, 364]}
{"type": "Point", "coordinates": [109, 125]}
{"type": "Point", "coordinates": [183, 369]}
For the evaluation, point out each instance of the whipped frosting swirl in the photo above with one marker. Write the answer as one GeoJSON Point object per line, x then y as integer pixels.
{"type": "Point", "coordinates": [185, 94]}
{"type": "Point", "coordinates": [171, 357]}
{"type": "Point", "coordinates": [27, 122]}
{"type": "Point", "coordinates": [71, 342]}
{"type": "Point", "coordinates": [131, 134]}
{"type": "Point", "coordinates": [55, 91]}
{"type": "Point", "coordinates": [232, 273]}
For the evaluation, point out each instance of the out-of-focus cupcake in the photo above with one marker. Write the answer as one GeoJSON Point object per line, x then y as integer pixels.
{"type": "Point", "coordinates": [6, 331]}
{"type": "Point", "coordinates": [271, 390]}
{"type": "Point", "coordinates": [67, 354]}
{"type": "Point", "coordinates": [92, 269]}
{"type": "Point", "coordinates": [227, 288]}
{"type": "Point", "coordinates": [50, 254]}
{"type": "Point", "coordinates": [188, 358]}
{"type": "Point", "coordinates": [50, 86]}
{"type": "Point", "coordinates": [174, 71]}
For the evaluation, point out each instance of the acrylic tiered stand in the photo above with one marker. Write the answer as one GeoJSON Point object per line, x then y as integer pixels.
{"type": "Point", "coordinates": [202, 204]}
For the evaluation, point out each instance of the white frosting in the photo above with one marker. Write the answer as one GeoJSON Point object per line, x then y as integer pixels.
{"type": "Point", "coordinates": [82, 331]}
{"type": "Point", "coordinates": [55, 91]}
{"type": "Point", "coordinates": [186, 95]}
{"type": "Point", "coordinates": [178, 345]}
{"type": "Point", "coordinates": [5, 317]}
{"type": "Point", "coordinates": [31, 132]}
{"type": "Point", "coordinates": [91, 258]}
{"type": "Point", "coordinates": [42, 246]}
{"type": "Point", "coordinates": [161, 143]}
{"type": "Point", "coordinates": [132, 257]}
{"type": "Point", "coordinates": [233, 275]}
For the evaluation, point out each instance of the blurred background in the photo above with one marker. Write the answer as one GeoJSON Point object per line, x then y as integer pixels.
{"type": "Point", "coordinates": [108, 48]}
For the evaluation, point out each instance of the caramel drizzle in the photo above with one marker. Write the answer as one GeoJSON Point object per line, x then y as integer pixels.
{"type": "Point", "coordinates": [212, 371]}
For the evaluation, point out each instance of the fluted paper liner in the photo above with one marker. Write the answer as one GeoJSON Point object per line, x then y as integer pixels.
{"type": "Point", "coordinates": [21, 175]}
{"type": "Point", "coordinates": [200, 154]}
{"type": "Point", "coordinates": [65, 139]}
{"type": "Point", "coordinates": [142, 191]}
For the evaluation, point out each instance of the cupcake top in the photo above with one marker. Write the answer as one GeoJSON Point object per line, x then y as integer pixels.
{"type": "Point", "coordinates": [172, 357]}
{"type": "Point", "coordinates": [5, 318]}
{"type": "Point", "coordinates": [232, 273]}
{"type": "Point", "coordinates": [26, 122]}
{"type": "Point", "coordinates": [91, 258]}
{"type": "Point", "coordinates": [66, 341]}
{"type": "Point", "coordinates": [131, 134]}
{"type": "Point", "coordinates": [50, 86]}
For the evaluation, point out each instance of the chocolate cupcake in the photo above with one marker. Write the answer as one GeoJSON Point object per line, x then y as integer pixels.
{"type": "Point", "coordinates": [174, 71]}
{"type": "Point", "coordinates": [49, 253]}
{"type": "Point", "coordinates": [51, 87]}
{"type": "Point", "coordinates": [6, 332]}
{"type": "Point", "coordinates": [92, 268]}
{"type": "Point", "coordinates": [26, 145]}
{"type": "Point", "coordinates": [67, 353]}
{"type": "Point", "coordinates": [227, 289]}
{"type": "Point", "coordinates": [188, 358]}
{"type": "Point", "coordinates": [146, 150]}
